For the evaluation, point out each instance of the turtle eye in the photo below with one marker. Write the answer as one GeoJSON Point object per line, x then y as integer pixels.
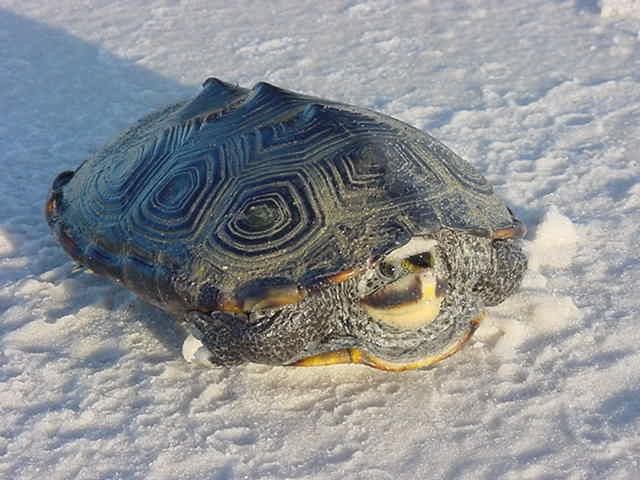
{"type": "Point", "coordinates": [388, 270]}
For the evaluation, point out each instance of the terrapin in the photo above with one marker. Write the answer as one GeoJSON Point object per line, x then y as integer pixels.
{"type": "Point", "coordinates": [291, 230]}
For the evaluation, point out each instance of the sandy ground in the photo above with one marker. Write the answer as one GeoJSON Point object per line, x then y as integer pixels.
{"type": "Point", "coordinates": [542, 96]}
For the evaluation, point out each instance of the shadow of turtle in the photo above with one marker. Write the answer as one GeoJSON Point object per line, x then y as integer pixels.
{"type": "Point", "coordinates": [62, 98]}
{"type": "Point", "coordinates": [588, 6]}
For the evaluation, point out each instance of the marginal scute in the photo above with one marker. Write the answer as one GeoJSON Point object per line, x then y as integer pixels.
{"type": "Point", "coordinates": [102, 261]}
{"type": "Point", "coordinates": [343, 276]}
{"type": "Point", "coordinates": [268, 293]}
{"type": "Point", "coordinates": [61, 180]}
{"type": "Point", "coordinates": [518, 230]}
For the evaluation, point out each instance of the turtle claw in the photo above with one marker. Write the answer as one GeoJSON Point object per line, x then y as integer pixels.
{"type": "Point", "coordinates": [78, 268]}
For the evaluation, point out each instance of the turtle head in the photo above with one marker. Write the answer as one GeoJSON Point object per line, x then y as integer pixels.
{"type": "Point", "coordinates": [487, 270]}
{"type": "Point", "coordinates": [405, 289]}
{"type": "Point", "coordinates": [504, 272]}
{"type": "Point", "coordinates": [422, 302]}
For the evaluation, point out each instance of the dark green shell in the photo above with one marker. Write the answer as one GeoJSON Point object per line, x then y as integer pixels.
{"type": "Point", "coordinates": [241, 189]}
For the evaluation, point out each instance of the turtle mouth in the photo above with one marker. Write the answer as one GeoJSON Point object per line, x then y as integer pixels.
{"type": "Point", "coordinates": [409, 303]}
{"type": "Point", "coordinates": [404, 290]}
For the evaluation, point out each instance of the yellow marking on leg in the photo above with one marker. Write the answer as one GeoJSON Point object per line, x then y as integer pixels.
{"type": "Point", "coordinates": [358, 356]}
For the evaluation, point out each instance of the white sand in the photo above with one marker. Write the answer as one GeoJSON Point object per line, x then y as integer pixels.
{"type": "Point", "coordinates": [542, 96]}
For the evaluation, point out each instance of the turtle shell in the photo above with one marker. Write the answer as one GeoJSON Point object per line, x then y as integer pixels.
{"type": "Point", "coordinates": [241, 191]}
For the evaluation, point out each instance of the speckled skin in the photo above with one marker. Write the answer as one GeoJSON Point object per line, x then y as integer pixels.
{"type": "Point", "coordinates": [479, 273]}
{"type": "Point", "coordinates": [206, 203]}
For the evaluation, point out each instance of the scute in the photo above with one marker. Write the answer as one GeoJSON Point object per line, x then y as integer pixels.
{"type": "Point", "coordinates": [203, 199]}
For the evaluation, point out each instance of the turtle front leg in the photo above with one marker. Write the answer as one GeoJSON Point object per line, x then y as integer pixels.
{"type": "Point", "coordinates": [211, 341]}
{"type": "Point", "coordinates": [274, 337]}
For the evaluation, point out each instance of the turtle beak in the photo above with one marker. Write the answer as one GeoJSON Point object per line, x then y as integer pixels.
{"type": "Point", "coordinates": [409, 303]}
